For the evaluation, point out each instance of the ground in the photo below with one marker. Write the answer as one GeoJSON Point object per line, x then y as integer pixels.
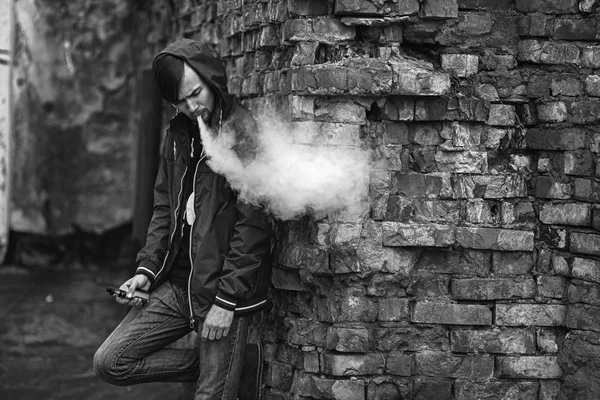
{"type": "Point", "coordinates": [52, 323]}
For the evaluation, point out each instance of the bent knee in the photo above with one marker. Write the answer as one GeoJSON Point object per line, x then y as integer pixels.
{"type": "Point", "coordinates": [107, 369]}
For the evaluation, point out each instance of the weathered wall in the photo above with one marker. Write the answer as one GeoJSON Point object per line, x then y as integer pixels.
{"type": "Point", "coordinates": [77, 64]}
{"type": "Point", "coordinates": [474, 271]}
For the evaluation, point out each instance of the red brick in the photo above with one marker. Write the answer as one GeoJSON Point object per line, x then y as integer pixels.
{"type": "Point", "coordinates": [566, 85]}
{"type": "Point", "coordinates": [425, 134]}
{"type": "Point", "coordinates": [393, 309]}
{"type": "Point", "coordinates": [550, 390]}
{"type": "Point", "coordinates": [584, 292]}
{"type": "Point", "coordinates": [495, 239]}
{"type": "Point", "coordinates": [496, 390]}
{"type": "Point", "coordinates": [381, 389]}
{"type": "Point", "coordinates": [375, 8]}
{"type": "Point", "coordinates": [584, 112]}
{"type": "Point", "coordinates": [395, 133]}
{"type": "Point", "coordinates": [592, 85]}
{"type": "Point", "coordinates": [317, 29]}
{"type": "Point", "coordinates": [279, 375]}
{"type": "Point", "coordinates": [511, 263]}
{"type": "Point", "coordinates": [451, 314]}
{"type": "Point", "coordinates": [412, 338]}
{"type": "Point", "coordinates": [529, 367]}
{"type": "Point", "coordinates": [439, 9]}
{"type": "Point", "coordinates": [311, 362]}
{"type": "Point", "coordinates": [566, 214]}
{"type": "Point", "coordinates": [586, 269]}
{"type": "Point", "coordinates": [344, 111]}
{"type": "Point", "coordinates": [575, 29]}
{"type": "Point", "coordinates": [403, 209]}
{"type": "Point", "coordinates": [546, 341]}
{"type": "Point", "coordinates": [548, 6]}
{"type": "Point", "coordinates": [398, 363]}
{"type": "Point", "coordinates": [552, 112]}
{"type": "Point", "coordinates": [565, 139]}
{"type": "Point", "coordinates": [420, 185]}
{"type": "Point", "coordinates": [591, 57]}
{"type": "Point", "coordinates": [307, 7]}
{"type": "Point", "coordinates": [502, 115]}
{"type": "Point", "coordinates": [579, 162]}
{"type": "Point", "coordinates": [467, 262]}
{"type": "Point", "coordinates": [289, 354]}
{"type": "Point", "coordinates": [463, 134]}
{"type": "Point", "coordinates": [536, 25]}
{"type": "Point", "coordinates": [530, 314]}
{"type": "Point", "coordinates": [492, 289]}
{"type": "Point", "coordinates": [306, 332]}
{"type": "Point", "coordinates": [482, 212]}
{"type": "Point", "coordinates": [552, 53]}
{"type": "Point", "coordinates": [415, 78]}
{"type": "Point", "coordinates": [554, 237]}
{"type": "Point", "coordinates": [287, 279]}
{"type": "Point", "coordinates": [398, 109]}
{"type": "Point", "coordinates": [460, 65]}
{"type": "Point", "coordinates": [349, 340]}
{"type": "Point", "coordinates": [506, 341]}
{"type": "Point", "coordinates": [358, 309]}
{"type": "Point", "coordinates": [484, 4]}
{"type": "Point", "coordinates": [324, 388]}
{"type": "Point", "coordinates": [490, 186]}
{"type": "Point", "coordinates": [433, 235]}
{"type": "Point", "coordinates": [583, 317]}
{"type": "Point", "coordinates": [585, 243]}
{"type": "Point", "coordinates": [353, 364]}
{"type": "Point", "coordinates": [432, 388]}
{"type": "Point", "coordinates": [476, 367]}
{"type": "Point", "coordinates": [553, 287]}
{"type": "Point", "coordinates": [468, 161]}
{"type": "Point", "coordinates": [547, 187]}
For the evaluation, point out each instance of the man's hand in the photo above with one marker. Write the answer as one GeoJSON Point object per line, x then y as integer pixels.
{"type": "Point", "coordinates": [217, 323]}
{"type": "Point", "coordinates": [139, 281]}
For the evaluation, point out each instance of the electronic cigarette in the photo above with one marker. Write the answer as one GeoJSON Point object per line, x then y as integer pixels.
{"type": "Point", "coordinates": [140, 294]}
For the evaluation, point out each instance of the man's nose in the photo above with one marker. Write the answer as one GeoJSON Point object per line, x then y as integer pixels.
{"type": "Point", "coordinates": [189, 104]}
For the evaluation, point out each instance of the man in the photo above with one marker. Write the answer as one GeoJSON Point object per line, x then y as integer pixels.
{"type": "Point", "coordinates": [206, 262]}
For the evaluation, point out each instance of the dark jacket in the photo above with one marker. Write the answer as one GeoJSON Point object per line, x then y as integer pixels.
{"type": "Point", "coordinates": [230, 240]}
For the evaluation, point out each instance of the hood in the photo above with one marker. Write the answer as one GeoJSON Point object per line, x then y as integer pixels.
{"type": "Point", "coordinates": [209, 65]}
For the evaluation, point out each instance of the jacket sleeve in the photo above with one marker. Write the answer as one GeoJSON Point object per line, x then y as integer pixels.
{"type": "Point", "coordinates": [250, 244]}
{"type": "Point", "coordinates": [151, 256]}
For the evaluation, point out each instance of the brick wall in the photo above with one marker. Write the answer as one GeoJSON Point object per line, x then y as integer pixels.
{"type": "Point", "coordinates": [474, 271]}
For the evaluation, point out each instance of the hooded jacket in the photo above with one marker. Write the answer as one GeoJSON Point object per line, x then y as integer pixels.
{"type": "Point", "coordinates": [230, 241]}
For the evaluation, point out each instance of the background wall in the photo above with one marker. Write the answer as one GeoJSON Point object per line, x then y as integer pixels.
{"type": "Point", "coordinates": [473, 271]}
{"type": "Point", "coordinates": [79, 113]}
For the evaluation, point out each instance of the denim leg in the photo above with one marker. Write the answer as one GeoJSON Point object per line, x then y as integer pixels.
{"type": "Point", "coordinates": [221, 363]}
{"type": "Point", "coordinates": [135, 351]}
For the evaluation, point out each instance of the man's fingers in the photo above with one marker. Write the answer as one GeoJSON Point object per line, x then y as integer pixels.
{"type": "Point", "coordinates": [226, 332]}
{"type": "Point", "coordinates": [212, 333]}
{"type": "Point", "coordinates": [122, 301]}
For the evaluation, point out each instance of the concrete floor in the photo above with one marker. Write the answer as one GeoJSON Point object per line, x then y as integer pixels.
{"type": "Point", "coordinates": [52, 322]}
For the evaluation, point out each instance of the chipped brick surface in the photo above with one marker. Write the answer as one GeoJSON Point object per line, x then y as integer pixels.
{"type": "Point", "coordinates": [478, 247]}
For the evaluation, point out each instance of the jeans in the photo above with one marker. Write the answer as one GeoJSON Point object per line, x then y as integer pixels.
{"type": "Point", "coordinates": [135, 352]}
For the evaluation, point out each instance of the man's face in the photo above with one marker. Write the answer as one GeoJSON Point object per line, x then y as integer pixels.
{"type": "Point", "coordinates": [196, 99]}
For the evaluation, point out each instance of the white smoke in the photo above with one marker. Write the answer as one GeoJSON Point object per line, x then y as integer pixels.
{"type": "Point", "coordinates": [291, 179]}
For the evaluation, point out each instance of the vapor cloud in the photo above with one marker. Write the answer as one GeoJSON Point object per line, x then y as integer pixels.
{"type": "Point", "coordinates": [291, 179]}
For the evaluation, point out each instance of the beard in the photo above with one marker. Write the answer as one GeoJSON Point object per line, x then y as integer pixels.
{"type": "Point", "coordinates": [204, 114]}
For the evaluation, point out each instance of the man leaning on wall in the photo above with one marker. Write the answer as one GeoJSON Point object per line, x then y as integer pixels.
{"type": "Point", "coordinates": [206, 262]}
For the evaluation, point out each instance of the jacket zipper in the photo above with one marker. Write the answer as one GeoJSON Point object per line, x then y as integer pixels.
{"type": "Point", "coordinates": [175, 229]}
{"type": "Point", "coordinates": [192, 320]}
{"type": "Point", "coordinates": [202, 157]}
